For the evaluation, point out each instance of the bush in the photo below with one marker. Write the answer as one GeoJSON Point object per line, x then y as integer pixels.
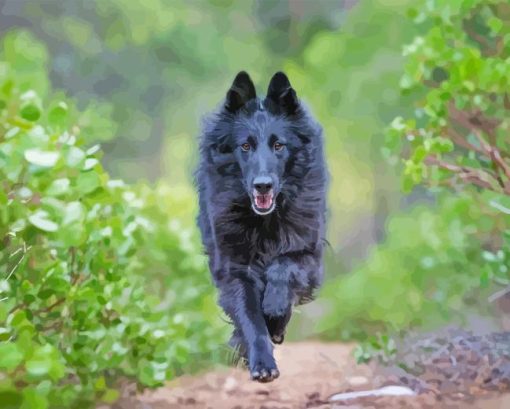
{"type": "Point", "coordinates": [99, 281]}
{"type": "Point", "coordinates": [426, 273]}
{"type": "Point", "coordinates": [458, 72]}
{"type": "Point", "coordinates": [436, 261]}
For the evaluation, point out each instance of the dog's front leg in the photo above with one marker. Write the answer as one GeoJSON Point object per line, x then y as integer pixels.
{"type": "Point", "coordinates": [289, 278]}
{"type": "Point", "coordinates": [240, 297]}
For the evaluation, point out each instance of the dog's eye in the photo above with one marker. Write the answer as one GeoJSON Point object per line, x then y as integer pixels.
{"type": "Point", "coordinates": [278, 146]}
{"type": "Point", "coordinates": [245, 146]}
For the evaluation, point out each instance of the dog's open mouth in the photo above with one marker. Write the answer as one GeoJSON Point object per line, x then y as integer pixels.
{"type": "Point", "coordinates": [263, 203]}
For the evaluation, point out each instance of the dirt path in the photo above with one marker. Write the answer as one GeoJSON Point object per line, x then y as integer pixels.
{"type": "Point", "coordinates": [310, 373]}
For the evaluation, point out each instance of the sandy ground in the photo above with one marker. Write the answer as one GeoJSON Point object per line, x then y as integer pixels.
{"type": "Point", "coordinates": [311, 372]}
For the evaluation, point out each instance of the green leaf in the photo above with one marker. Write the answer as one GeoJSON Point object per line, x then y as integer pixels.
{"type": "Point", "coordinates": [75, 157]}
{"type": "Point", "coordinates": [30, 106]}
{"type": "Point", "coordinates": [110, 396]}
{"type": "Point", "coordinates": [100, 384]}
{"type": "Point", "coordinates": [495, 24]}
{"type": "Point", "coordinates": [87, 182]}
{"type": "Point", "coordinates": [42, 158]}
{"type": "Point", "coordinates": [12, 132]}
{"type": "Point", "coordinates": [10, 356]}
{"type": "Point", "coordinates": [58, 187]}
{"type": "Point", "coordinates": [40, 220]}
{"type": "Point", "coordinates": [10, 399]}
{"type": "Point", "coordinates": [90, 163]}
{"type": "Point", "coordinates": [45, 361]}
{"type": "Point", "coordinates": [93, 149]}
{"type": "Point", "coordinates": [484, 278]}
{"type": "Point", "coordinates": [30, 112]}
{"type": "Point", "coordinates": [74, 212]}
{"type": "Point", "coordinates": [38, 366]}
{"type": "Point", "coordinates": [32, 399]}
{"type": "Point", "coordinates": [58, 115]}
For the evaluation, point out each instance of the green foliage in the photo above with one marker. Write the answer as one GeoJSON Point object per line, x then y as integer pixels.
{"type": "Point", "coordinates": [99, 281]}
{"type": "Point", "coordinates": [425, 273]}
{"type": "Point", "coordinates": [436, 263]}
{"type": "Point", "coordinates": [124, 259]}
{"type": "Point", "coordinates": [350, 82]}
{"type": "Point", "coordinates": [379, 346]}
{"type": "Point", "coordinates": [459, 73]}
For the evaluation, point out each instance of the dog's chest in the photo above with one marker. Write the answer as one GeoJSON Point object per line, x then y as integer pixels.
{"type": "Point", "coordinates": [261, 243]}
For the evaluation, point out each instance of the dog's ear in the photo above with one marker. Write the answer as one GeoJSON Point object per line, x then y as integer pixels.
{"type": "Point", "coordinates": [241, 91]}
{"type": "Point", "coordinates": [282, 94]}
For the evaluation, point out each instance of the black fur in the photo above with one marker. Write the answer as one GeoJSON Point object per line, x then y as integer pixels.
{"type": "Point", "coordinates": [262, 260]}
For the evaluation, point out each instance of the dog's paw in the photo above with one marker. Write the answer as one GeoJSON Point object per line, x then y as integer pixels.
{"type": "Point", "coordinates": [276, 327]}
{"type": "Point", "coordinates": [264, 369]}
{"type": "Point", "coordinates": [278, 338]}
{"type": "Point", "coordinates": [277, 301]}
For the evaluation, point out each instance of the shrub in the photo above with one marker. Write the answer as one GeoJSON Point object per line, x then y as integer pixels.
{"type": "Point", "coordinates": [99, 281]}
{"type": "Point", "coordinates": [425, 273]}
{"type": "Point", "coordinates": [458, 72]}
{"type": "Point", "coordinates": [436, 260]}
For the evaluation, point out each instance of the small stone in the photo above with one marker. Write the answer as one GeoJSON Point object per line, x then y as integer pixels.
{"type": "Point", "coordinates": [230, 384]}
{"type": "Point", "coordinates": [357, 380]}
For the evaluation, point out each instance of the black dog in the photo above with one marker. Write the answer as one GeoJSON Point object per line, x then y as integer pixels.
{"type": "Point", "coordinates": [262, 186]}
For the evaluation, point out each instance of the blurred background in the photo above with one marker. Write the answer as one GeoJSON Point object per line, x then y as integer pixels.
{"type": "Point", "coordinates": [145, 73]}
{"type": "Point", "coordinates": [138, 76]}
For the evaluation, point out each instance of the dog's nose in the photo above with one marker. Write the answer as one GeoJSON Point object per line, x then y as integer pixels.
{"type": "Point", "coordinates": [263, 184]}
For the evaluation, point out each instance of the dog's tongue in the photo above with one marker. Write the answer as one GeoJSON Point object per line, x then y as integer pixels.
{"type": "Point", "coordinates": [264, 201]}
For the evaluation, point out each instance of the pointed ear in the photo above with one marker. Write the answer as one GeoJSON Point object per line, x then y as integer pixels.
{"type": "Point", "coordinates": [241, 91]}
{"type": "Point", "coordinates": [282, 94]}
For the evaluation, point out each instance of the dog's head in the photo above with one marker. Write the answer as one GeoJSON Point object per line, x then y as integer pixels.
{"type": "Point", "coordinates": [263, 141]}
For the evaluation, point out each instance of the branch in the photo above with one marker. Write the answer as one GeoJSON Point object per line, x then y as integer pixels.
{"type": "Point", "coordinates": [473, 120]}
{"type": "Point", "coordinates": [499, 294]}
{"type": "Point", "coordinates": [25, 250]}
{"type": "Point", "coordinates": [484, 44]}
{"type": "Point", "coordinates": [495, 156]}
{"type": "Point", "coordinates": [506, 102]}
{"type": "Point", "coordinates": [478, 177]}
{"type": "Point", "coordinates": [50, 307]}
{"type": "Point", "coordinates": [475, 123]}
{"type": "Point", "coordinates": [461, 141]}
{"type": "Point", "coordinates": [56, 325]}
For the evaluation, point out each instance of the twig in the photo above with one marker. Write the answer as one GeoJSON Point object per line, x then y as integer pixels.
{"type": "Point", "coordinates": [461, 141]}
{"type": "Point", "coordinates": [499, 207]}
{"type": "Point", "coordinates": [16, 252]}
{"type": "Point", "coordinates": [17, 307]}
{"type": "Point", "coordinates": [19, 261]}
{"type": "Point", "coordinates": [50, 307]}
{"type": "Point", "coordinates": [473, 120]}
{"type": "Point", "coordinates": [481, 40]}
{"type": "Point", "coordinates": [478, 177]}
{"type": "Point", "coordinates": [506, 101]}
{"type": "Point", "coordinates": [55, 325]}
{"type": "Point", "coordinates": [499, 294]}
{"type": "Point", "coordinates": [496, 158]}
